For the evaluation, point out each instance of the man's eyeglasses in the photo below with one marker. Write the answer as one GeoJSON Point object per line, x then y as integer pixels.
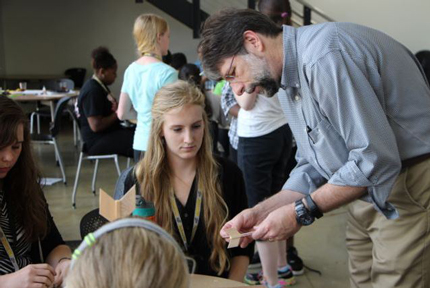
{"type": "Point", "coordinates": [230, 76]}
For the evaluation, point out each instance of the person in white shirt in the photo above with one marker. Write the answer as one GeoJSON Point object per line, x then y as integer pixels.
{"type": "Point", "coordinates": [265, 143]}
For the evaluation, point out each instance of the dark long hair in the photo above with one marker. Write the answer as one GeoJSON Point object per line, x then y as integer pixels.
{"type": "Point", "coordinates": [21, 186]}
{"type": "Point", "coordinates": [279, 11]}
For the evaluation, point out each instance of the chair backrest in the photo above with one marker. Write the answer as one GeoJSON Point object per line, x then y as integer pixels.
{"type": "Point", "coordinates": [61, 105]}
{"type": "Point", "coordinates": [77, 75]}
{"type": "Point", "coordinates": [91, 222]}
{"type": "Point", "coordinates": [78, 125]}
{"type": "Point", "coordinates": [70, 85]}
{"type": "Point", "coordinates": [122, 183]}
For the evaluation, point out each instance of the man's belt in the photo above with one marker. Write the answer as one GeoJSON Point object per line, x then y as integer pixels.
{"type": "Point", "coordinates": [414, 160]}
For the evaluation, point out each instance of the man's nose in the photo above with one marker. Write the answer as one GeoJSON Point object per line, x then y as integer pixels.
{"type": "Point", "coordinates": [238, 88]}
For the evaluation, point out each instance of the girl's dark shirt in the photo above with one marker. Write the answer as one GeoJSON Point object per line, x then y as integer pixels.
{"type": "Point", "coordinates": [93, 101]}
{"type": "Point", "coordinates": [26, 253]}
{"type": "Point", "coordinates": [233, 188]}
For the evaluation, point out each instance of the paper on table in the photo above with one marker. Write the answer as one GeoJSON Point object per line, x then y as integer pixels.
{"type": "Point", "coordinates": [115, 209]}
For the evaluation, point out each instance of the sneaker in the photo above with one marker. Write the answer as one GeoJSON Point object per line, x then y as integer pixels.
{"type": "Point", "coordinates": [257, 278]}
{"type": "Point", "coordinates": [287, 275]}
{"type": "Point", "coordinates": [295, 261]}
{"type": "Point", "coordinates": [255, 262]}
{"type": "Point", "coordinates": [281, 283]}
{"type": "Point", "coordinates": [254, 278]}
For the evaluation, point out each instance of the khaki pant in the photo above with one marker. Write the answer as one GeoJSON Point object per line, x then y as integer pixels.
{"type": "Point", "coordinates": [393, 253]}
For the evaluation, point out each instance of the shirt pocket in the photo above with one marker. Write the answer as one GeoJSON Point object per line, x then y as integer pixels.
{"type": "Point", "coordinates": [330, 150]}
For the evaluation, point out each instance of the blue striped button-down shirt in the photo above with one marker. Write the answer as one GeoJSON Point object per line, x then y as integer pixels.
{"type": "Point", "coordinates": [357, 103]}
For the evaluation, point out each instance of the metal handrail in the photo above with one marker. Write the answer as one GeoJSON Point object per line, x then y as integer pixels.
{"type": "Point", "coordinates": [316, 10]}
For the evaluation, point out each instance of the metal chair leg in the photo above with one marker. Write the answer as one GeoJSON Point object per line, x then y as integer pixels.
{"type": "Point", "coordinates": [75, 186]}
{"type": "Point", "coordinates": [38, 124]}
{"type": "Point", "coordinates": [31, 122]}
{"type": "Point", "coordinates": [96, 168]}
{"type": "Point", "coordinates": [60, 160]}
{"type": "Point", "coordinates": [75, 142]}
{"type": "Point", "coordinates": [117, 165]}
{"type": "Point", "coordinates": [128, 162]}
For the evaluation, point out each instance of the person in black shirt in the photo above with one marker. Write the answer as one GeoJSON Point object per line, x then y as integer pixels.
{"type": "Point", "coordinates": [32, 251]}
{"type": "Point", "coordinates": [100, 127]}
{"type": "Point", "coordinates": [193, 192]}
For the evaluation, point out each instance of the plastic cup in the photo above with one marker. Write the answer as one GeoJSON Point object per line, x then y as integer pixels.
{"type": "Point", "coordinates": [23, 85]}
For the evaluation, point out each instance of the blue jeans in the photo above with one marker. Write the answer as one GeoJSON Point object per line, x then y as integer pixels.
{"type": "Point", "coordinates": [263, 161]}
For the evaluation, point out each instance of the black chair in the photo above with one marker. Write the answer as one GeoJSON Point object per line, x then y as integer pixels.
{"type": "Point", "coordinates": [121, 183]}
{"type": "Point", "coordinates": [54, 131]}
{"type": "Point", "coordinates": [85, 156]}
{"type": "Point", "coordinates": [91, 222]}
{"type": "Point", "coordinates": [77, 75]}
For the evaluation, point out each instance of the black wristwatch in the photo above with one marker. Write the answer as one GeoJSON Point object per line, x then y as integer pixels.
{"type": "Point", "coordinates": [303, 216]}
{"type": "Point", "coordinates": [313, 208]}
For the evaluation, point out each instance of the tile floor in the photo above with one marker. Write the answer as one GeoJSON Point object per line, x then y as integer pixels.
{"type": "Point", "coordinates": [321, 246]}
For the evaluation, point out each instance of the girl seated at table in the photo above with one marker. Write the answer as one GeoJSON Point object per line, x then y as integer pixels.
{"type": "Point", "coordinates": [100, 127]}
{"type": "Point", "coordinates": [32, 252]}
{"type": "Point", "coordinates": [193, 192]}
{"type": "Point", "coordinates": [129, 253]}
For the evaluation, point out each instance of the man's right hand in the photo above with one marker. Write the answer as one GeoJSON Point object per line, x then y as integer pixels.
{"type": "Point", "coordinates": [33, 275]}
{"type": "Point", "coordinates": [243, 222]}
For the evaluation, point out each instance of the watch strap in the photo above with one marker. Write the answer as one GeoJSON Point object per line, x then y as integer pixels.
{"type": "Point", "coordinates": [313, 208]}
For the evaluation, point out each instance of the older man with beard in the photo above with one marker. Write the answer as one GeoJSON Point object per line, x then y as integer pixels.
{"type": "Point", "coordinates": [359, 108]}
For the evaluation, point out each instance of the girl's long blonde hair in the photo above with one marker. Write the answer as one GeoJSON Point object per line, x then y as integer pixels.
{"type": "Point", "coordinates": [154, 173]}
{"type": "Point", "coordinates": [130, 257]}
{"type": "Point", "coordinates": [147, 28]}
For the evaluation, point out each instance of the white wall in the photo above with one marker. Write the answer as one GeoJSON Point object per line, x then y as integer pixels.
{"type": "Point", "coordinates": [406, 21]}
{"type": "Point", "coordinates": [49, 36]}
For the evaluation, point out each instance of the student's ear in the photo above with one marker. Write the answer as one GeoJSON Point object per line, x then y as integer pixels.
{"type": "Point", "coordinates": [102, 73]}
{"type": "Point", "coordinates": [253, 42]}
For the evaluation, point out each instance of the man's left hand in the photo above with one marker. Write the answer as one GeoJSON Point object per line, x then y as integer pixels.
{"type": "Point", "coordinates": [280, 224]}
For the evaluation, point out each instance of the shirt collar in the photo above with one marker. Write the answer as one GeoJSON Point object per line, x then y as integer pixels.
{"type": "Point", "coordinates": [101, 83]}
{"type": "Point", "coordinates": [290, 73]}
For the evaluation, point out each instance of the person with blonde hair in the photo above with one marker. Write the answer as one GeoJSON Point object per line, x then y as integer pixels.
{"type": "Point", "coordinates": [194, 193]}
{"type": "Point", "coordinates": [145, 76]}
{"type": "Point", "coordinates": [129, 253]}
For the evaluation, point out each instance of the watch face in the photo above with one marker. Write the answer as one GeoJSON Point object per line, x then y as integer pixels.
{"type": "Point", "coordinates": [307, 220]}
{"type": "Point", "coordinates": [302, 214]}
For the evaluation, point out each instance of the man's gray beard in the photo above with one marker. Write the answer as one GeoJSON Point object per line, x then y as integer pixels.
{"type": "Point", "coordinates": [262, 76]}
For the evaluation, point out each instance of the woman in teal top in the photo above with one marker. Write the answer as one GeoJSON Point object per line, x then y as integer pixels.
{"type": "Point", "coordinates": [145, 76]}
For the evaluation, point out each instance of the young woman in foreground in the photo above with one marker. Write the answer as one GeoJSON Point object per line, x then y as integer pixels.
{"type": "Point", "coordinates": [193, 192]}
